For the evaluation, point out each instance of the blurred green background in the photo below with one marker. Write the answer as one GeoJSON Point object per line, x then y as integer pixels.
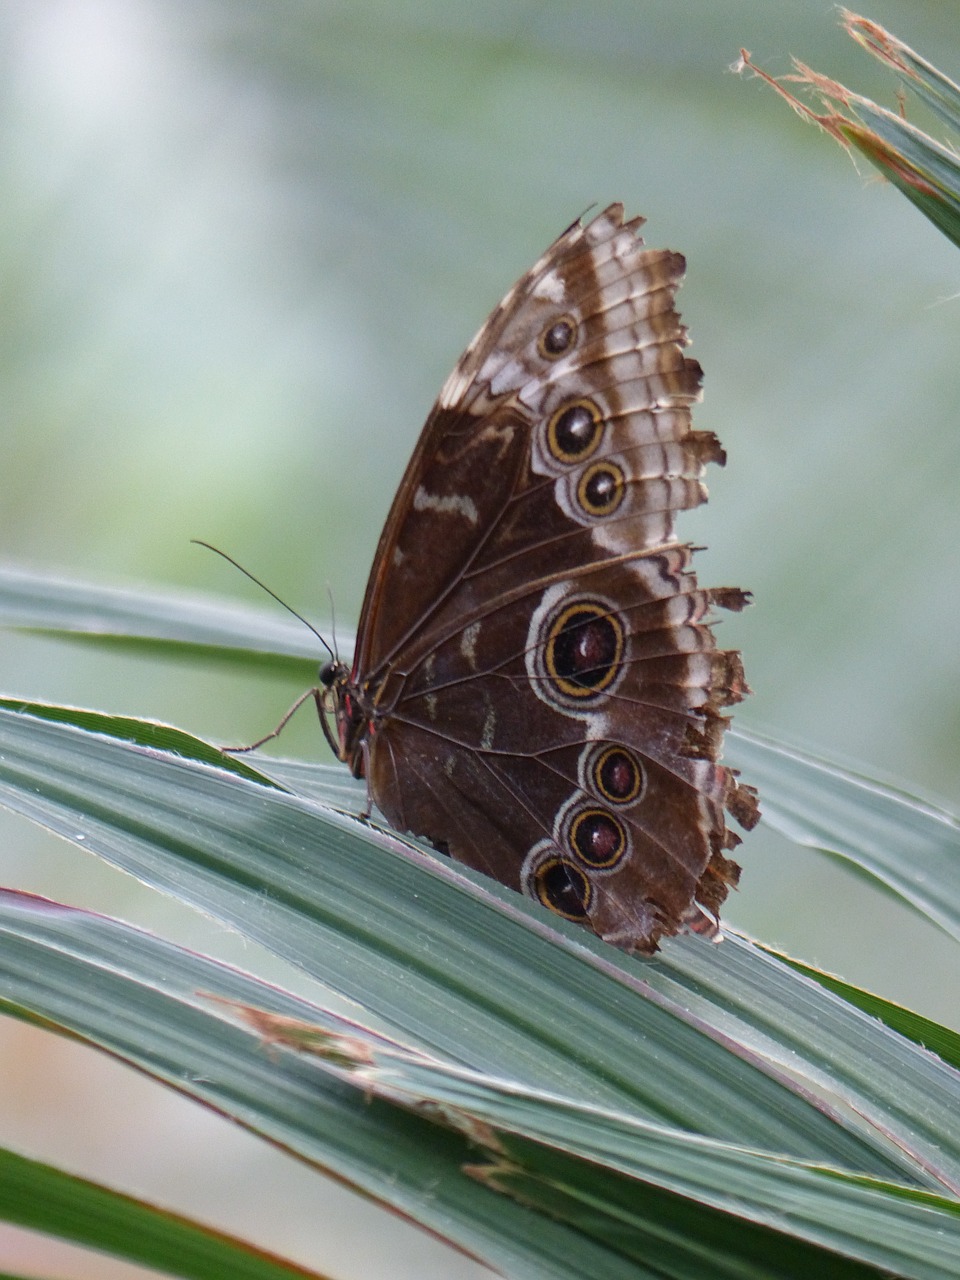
{"type": "Point", "coordinates": [242, 244]}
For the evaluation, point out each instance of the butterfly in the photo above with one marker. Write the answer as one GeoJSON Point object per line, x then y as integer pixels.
{"type": "Point", "coordinates": [536, 688]}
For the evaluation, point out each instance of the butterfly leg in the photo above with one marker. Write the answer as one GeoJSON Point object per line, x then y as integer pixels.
{"type": "Point", "coordinates": [368, 807]}
{"type": "Point", "coordinates": [315, 693]}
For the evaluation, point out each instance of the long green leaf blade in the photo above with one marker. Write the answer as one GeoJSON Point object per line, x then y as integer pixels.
{"type": "Point", "coordinates": [912, 847]}
{"type": "Point", "coordinates": [468, 970]}
{"type": "Point", "coordinates": [922, 169]}
{"type": "Point", "coordinates": [37, 1196]}
{"type": "Point", "coordinates": [164, 624]}
{"type": "Point", "coordinates": [934, 88]}
{"type": "Point", "coordinates": [941, 1040]}
{"type": "Point", "coordinates": [908, 844]}
{"type": "Point", "coordinates": [153, 1004]}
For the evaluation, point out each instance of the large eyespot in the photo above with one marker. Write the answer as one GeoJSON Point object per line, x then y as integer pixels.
{"type": "Point", "coordinates": [561, 886]}
{"type": "Point", "coordinates": [574, 430]}
{"type": "Point", "coordinates": [558, 338]}
{"type": "Point", "coordinates": [597, 838]}
{"type": "Point", "coordinates": [613, 773]}
{"type": "Point", "coordinates": [601, 489]}
{"type": "Point", "coordinates": [583, 650]}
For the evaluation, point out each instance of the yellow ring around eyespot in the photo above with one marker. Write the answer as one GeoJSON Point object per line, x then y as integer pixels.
{"type": "Point", "coordinates": [597, 776]}
{"type": "Point", "coordinates": [593, 509]}
{"type": "Point", "coordinates": [616, 856]}
{"type": "Point", "coordinates": [582, 884]}
{"type": "Point", "coordinates": [595, 612]}
{"type": "Point", "coordinates": [575, 455]}
{"type": "Point", "coordinates": [571, 342]}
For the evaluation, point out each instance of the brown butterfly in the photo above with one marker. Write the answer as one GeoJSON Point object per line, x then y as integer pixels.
{"type": "Point", "coordinates": [536, 688]}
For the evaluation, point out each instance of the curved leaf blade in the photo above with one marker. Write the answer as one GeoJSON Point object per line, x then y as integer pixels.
{"type": "Point", "coordinates": [452, 962]}
{"type": "Point", "coordinates": [910, 846]}
{"type": "Point", "coordinates": [39, 1197]}
{"type": "Point", "coordinates": [151, 1004]}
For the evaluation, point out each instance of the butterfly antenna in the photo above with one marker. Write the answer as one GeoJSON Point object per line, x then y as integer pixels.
{"type": "Point", "coordinates": [263, 587]}
{"type": "Point", "coordinates": [333, 623]}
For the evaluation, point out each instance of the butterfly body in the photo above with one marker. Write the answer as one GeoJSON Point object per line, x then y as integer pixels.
{"type": "Point", "coordinates": [536, 688]}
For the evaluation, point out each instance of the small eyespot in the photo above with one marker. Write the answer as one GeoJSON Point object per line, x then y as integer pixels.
{"type": "Point", "coordinates": [601, 489]}
{"type": "Point", "coordinates": [558, 338]}
{"type": "Point", "coordinates": [574, 430]}
{"type": "Point", "coordinates": [597, 838]}
{"type": "Point", "coordinates": [562, 887]}
{"type": "Point", "coordinates": [616, 775]}
{"type": "Point", "coordinates": [584, 649]}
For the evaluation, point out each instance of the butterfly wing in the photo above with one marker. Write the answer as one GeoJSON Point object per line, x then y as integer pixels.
{"type": "Point", "coordinates": [545, 685]}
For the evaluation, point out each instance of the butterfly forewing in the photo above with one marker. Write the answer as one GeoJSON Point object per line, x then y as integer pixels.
{"type": "Point", "coordinates": [536, 687]}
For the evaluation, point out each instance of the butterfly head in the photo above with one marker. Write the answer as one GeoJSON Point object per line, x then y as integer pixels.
{"type": "Point", "coordinates": [333, 674]}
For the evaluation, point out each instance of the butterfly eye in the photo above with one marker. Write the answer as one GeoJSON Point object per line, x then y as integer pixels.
{"type": "Point", "coordinates": [558, 338]}
{"type": "Point", "coordinates": [574, 431]}
{"type": "Point", "coordinates": [329, 673]}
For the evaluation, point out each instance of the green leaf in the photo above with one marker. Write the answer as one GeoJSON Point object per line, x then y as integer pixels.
{"type": "Point", "coordinates": [924, 170]}
{"type": "Point", "coordinates": [172, 1013]}
{"type": "Point", "coordinates": [886, 1225]}
{"type": "Point", "coordinates": [36, 1196]}
{"type": "Point", "coordinates": [464, 968]}
{"type": "Point", "coordinates": [923, 1031]}
{"type": "Point", "coordinates": [172, 625]}
{"type": "Point", "coordinates": [161, 1008]}
{"type": "Point", "coordinates": [916, 73]}
{"type": "Point", "coordinates": [767, 1067]}
{"type": "Point", "coordinates": [145, 733]}
{"type": "Point", "coordinates": [906, 844]}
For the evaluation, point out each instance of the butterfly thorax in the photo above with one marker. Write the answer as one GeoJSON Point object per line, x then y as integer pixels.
{"type": "Point", "coordinates": [344, 701]}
